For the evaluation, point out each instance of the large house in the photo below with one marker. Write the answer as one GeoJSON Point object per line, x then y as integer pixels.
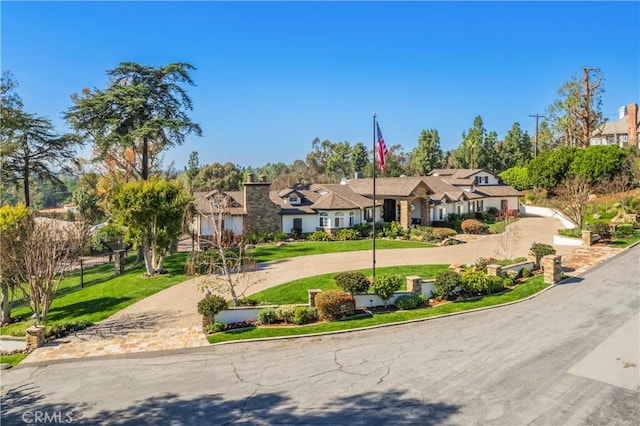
{"type": "Point", "coordinates": [303, 209]}
{"type": "Point", "coordinates": [624, 132]}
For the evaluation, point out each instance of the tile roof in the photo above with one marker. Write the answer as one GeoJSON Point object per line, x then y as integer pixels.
{"type": "Point", "coordinates": [497, 191]}
{"type": "Point", "coordinates": [385, 187]}
{"type": "Point", "coordinates": [202, 201]}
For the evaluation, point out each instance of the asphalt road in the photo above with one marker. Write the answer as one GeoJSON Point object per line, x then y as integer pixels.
{"type": "Point", "coordinates": [567, 357]}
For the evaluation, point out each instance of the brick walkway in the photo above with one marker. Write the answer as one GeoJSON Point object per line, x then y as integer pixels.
{"type": "Point", "coordinates": [168, 320]}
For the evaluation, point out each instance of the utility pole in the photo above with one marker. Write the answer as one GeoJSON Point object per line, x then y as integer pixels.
{"type": "Point", "coordinates": [535, 144]}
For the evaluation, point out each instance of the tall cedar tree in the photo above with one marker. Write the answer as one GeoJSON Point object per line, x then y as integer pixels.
{"type": "Point", "coordinates": [144, 111]}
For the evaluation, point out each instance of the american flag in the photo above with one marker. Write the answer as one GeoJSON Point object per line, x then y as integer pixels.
{"type": "Point", "coordinates": [382, 149]}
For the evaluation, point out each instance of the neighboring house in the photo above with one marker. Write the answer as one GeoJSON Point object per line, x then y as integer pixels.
{"type": "Point", "coordinates": [623, 132]}
{"type": "Point", "coordinates": [481, 191]}
{"type": "Point", "coordinates": [304, 209]}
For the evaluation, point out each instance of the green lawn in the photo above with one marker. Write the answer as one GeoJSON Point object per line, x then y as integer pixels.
{"type": "Point", "coordinates": [269, 252]}
{"type": "Point", "coordinates": [528, 288]}
{"type": "Point", "coordinates": [12, 359]}
{"type": "Point", "coordinates": [104, 293]}
{"type": "Point", "coordinates": [296, 291]}
{"type": "Point", "coordinates": [625, 242]}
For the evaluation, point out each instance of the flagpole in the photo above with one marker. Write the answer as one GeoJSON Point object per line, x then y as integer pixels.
{"type": "Point", "coordinates": [373, 216]}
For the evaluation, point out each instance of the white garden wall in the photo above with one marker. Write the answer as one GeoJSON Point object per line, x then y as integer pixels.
{"type": "Point", "coordinates": [547, 212]}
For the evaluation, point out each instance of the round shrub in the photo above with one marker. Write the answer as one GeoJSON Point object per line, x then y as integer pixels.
{"type": "Point", "coordinates": [285, 313]}
{"type": "Point", "coordinates": [623, 231]}
{"type": "Point", "coordinates": [539, 250]}
{"type": "Point", "coordinates": [442, 233]}
{"type": "Point", "coordinates": [334, 304]}
{"type": "Point", "coordinates": [447, 284]}
{"type": "Point", "coordinates": [347, 234]}
{"type": "Point", "coordinates": [320, 236]}
{"type": "Point", "coordinates": [385, 285]}
{"type": "Point", "coordinates": [407, 302]}
{"type": "Point", "coordinates": [211, 305]}
{"type": "Point", "coordinates": [525, 272]}
{"type": "Point", "coordinates": [352, 282]}
{"type": "Point", "coordinates": [473, 226]}
{"type": "Point", "coordinates": [601, 229]}
{"type": "Point", "coordinates": [304, 315]}
{"type": "Point", "coordinates": [267, 316]}
{"type": "Point", "coordinates": [474, 282]}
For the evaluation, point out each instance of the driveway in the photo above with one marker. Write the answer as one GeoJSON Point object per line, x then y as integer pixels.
{"type": "Point", "coordinates": [169, 320]}
{"type": "Point", "coordinates": [567, 357]}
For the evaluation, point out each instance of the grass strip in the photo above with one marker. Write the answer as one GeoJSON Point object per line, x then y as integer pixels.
{"type": "Point", "coordinates": [12, 359]}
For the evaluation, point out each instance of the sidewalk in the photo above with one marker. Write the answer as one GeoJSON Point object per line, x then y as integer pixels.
{"type": "Point", "coordinates": [168, 319]}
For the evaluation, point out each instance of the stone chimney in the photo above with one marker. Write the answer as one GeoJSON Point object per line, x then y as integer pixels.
{"type": "Point", "coordinates": [262, 214]}
{"type": "Point", "coordinates": [632, 133]}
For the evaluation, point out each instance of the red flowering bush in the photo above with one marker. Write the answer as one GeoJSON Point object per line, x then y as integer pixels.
{"type": "Point", "coordinates": [334, 304]}
{"type": "Point", "coordinates": [473, 226]}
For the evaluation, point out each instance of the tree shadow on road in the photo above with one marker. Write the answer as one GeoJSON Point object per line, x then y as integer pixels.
{"type": "Point", "coordinates": [390, 407]}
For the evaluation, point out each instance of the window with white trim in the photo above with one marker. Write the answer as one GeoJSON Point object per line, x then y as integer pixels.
{"type": "Point", "coordinates": [324, 220]}
{"type": "Point", "coordinates": [339, 220]}
{"type": "Point", "coordinates": [352, 219]}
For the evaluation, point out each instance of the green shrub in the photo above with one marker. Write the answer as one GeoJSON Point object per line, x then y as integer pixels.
{"type": "Point", "coordinates": [407, 302]}
{"type": "Point", "coordinates": [216, 327]}
{"type": "Point", "coordinates": [422, 299]}
{"type": "Point", "coordinates": [494, 284]}
{"type": "Point", "coordinates": [482, 263]}
{"type": "Point", "coordinates": [392, 230]}
{"type": "Point", "coordinates": [304, 315]}
{"type": "Point", "coordinates": [320, 236]}
{"type": "Point", "coordinates": [247, 302]}
{"type": "Point", "coordinates": [347, 234]}
{"type": "Point", "coordinates": [442, 233]}
{"type": "Point", "coordinates": [364, 229]}
{"type": "Point", "coordinates": [267, 316]}
{"type": "Point", "coordinates": [474, 282]}
{"type": "Point", "coordinates": [539, 250]}
{"type": "Point", "coordinates": [334, 304]}
{"type": "Point", "coordinates": [211, 305]}
{"type": "Point", "coordinates": [473, 226]}
{"type": "Point", "coordinates": [385, 285]}
{"type": "Point", "coordinates": [600, 228]}
{"type": "Point", "coordinates": [286, 313]}
{"type": "Point", "coordinates": [352, 282]}
{"type": "Point", "coordinates": [512, 275]}
{"type": "Point", "coordinates": [623, 231]}
{"type": "Point", "coordinates": [61, 329]}
{"type": "Point", "coordinates": [525, 272]}
{"type": "Point", "coordinates": [447, 284]}
{"type": "Point", "coordinates": [421, 233]}
{"type": "Point", "coordinates": [279, 236]}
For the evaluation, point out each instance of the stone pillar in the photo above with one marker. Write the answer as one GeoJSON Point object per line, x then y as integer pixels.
{"type": "Point", "coordinates": [35, 337]}
{"type": "Point", "coordinates": [414, 284]}
{"type": "Point", "coordinates": [405, 214]}
{"type": "Point", "coordinates": [207, 320]}
{"type": "Point", "coordinates": [119, 261]}
{"type": "Point", "coordinates": [632, 131]}
{"type": "Point", "coordinates": [313, 292]}
{"type": "Point", "coordinates": [494, 270]}
{"type": "Point", "coordinates": [586, 238]}
{"type": "Point", "coordinates": [552, 266]}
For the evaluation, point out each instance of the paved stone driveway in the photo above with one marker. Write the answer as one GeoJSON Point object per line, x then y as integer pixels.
{"type": "Point", "coordinates": [168, 320]}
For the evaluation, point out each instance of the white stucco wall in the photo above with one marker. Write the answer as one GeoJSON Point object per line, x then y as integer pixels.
{"type": "Point", "coordinates": [547, 212]}
{"type": "Point", "coordinates": [231, 223]}
{"type": "Point", "coordinates": [513, 203]}
{"type": "Point", "coordinates": [492, 179]}
{"type": "Point", "coordinates": [309, 223]}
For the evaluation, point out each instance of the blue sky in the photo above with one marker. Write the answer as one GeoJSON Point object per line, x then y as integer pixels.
{"type": "Point", "coordinates": [272, 76]}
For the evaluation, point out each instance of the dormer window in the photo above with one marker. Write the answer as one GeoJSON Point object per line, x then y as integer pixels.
{"type": "Point", "coordinates": [482, 179]}
{"type": "Point", "coordinates": [293, 199]}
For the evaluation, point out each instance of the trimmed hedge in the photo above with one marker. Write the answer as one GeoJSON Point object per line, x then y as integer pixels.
{"type": "Point", "coordinates": [352, 282]}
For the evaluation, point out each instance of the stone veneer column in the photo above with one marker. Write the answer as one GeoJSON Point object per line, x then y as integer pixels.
{"type": "Point", "coordinates": [494, 270]}
{"type": "Point", "coordinates": [405, 214]}
{"type": "Point", "coordinates": [552, 266]}
{"type": "Point", "coordinates": [262, 214]}
{"type": "Point", "coordinates": [632, 125]}
{"type": "Point", "coordinates": [414, 284]}
{"type": "Point", "coordinates": [586, 238]}
{"type": "Point", "coordinates": [313, 292]}
{"type": "Point", "coordinates": [35, 337]}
